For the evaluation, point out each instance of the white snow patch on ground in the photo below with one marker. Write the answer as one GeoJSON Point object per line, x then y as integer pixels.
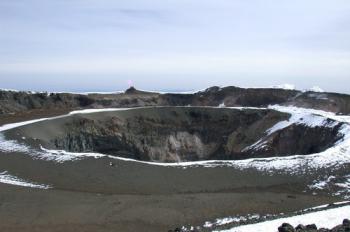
{"type": "Point", "coordinates": [325, 206]}
{"type": "Point", "coordinates": [327, 219]}
{"type": "Point", "coordinates": [344, 187]}
{"type": "Point", "coordinates": [340, 185]}
{"type": "Point", "coordinates": [321, 184]}
{"type": "Point", "coordinates": [61, 156]}
{"type": "Point", "coordinates": [229, 220]}
{"type": "Point", "coordinates": [12, 145]}
{"type": "Point", "coordinates": [6, 178]}
{"type": "Point", "coordinates": [346, 184]}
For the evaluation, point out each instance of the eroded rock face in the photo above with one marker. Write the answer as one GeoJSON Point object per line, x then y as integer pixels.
{"type": "Point", "coordinates": [173, 134]}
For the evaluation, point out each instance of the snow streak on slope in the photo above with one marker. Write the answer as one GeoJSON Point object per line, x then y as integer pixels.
{"type": "Point", "coordinates": [13, 180]}
{"type": "Point", "coordinates": [86, 111]}
{"type": "Point", "coordinates": [19, 124]}
{"type": "Point", "coordinates": [61, 156]}
{"type": "Point", "coordinates": [9, 146]}
{"type": "Point", "coordinates": [326, 219]}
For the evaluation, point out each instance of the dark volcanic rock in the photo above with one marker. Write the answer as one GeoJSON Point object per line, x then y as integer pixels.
{"type": "Point", "coordinates": [286, 228]}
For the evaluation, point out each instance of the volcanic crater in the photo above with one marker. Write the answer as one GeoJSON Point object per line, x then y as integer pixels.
{"type": "Point", "coordinates": [177, 134]}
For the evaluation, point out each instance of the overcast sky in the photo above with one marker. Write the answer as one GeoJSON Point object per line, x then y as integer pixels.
{"type": "Point", "coordinates": [102, 45]}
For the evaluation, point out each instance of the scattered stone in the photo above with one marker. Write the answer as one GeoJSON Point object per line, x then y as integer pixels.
{"type": "Point", "coordinates": [323, 230]}
{"type": "Point", "coordinates": [300, 228]}
{"type": "Point", "coordinates": [286, 228]}
{"type": "Point", "coordinates": [311, 227]}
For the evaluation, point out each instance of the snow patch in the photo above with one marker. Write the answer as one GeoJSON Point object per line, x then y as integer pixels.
{"type": "Point", "coordinates": [6, 178]}
{"type": "Point", "coordinates": [12, 145]}
{"type": "Point", "coordinates": [321, 184]}
{"type": "Point", "coordinates": [89, 111]}
{"type": "Point", "coordinates": [61, 156]}
{"type": "Point", "coordinates": [325, 206]}
{"type": "Point", "coordinates": [229, 220]}
{"type": "Point", "coordinates": [344, 187]}
{"type": "Point", "coordinates": [8, 146]}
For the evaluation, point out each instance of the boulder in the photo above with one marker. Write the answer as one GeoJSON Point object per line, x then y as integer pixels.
{"type": "Point", "coordinates": [286, 228]}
